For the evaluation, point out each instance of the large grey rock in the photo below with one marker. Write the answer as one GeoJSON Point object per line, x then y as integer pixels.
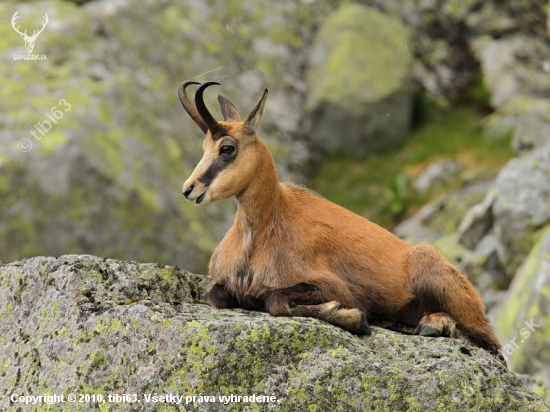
{"type": "Point", "coordinates": [477, 222]}
{"type": "Point", "coordinates": [443, 216]}
{"type": "Point", "coordinates": [436, 174]}
{"type": "Point", "coordinates": [486, 263]}
{"type": "Point", "coordinates": [443, 33]}
{"type": "Point", "coordinates": [508, 39]}
{"type": "Point", "coordinates": [516, 70]}
{"type": "Point", "coordinates": [359, 82]}
{"type": "Point", "coordinates": [85, 325]}
{"type": "Point", "coordinates": [513, 66]}
{"type": "Point", "coordinates": [522, 204]}
{"type": "Point", "coordinates": [523, 320]}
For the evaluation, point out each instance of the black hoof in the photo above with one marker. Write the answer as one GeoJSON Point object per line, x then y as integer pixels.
{"type": "Point", "coordinates": [428, 330]}
{"type": "Point", "coordinates": [364, 328]}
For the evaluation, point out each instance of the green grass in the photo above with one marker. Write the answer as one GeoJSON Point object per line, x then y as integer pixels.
{"type": "Point", "coordinates": [380, 188]}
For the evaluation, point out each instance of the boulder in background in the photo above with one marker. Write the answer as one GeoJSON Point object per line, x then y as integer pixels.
{"type": "Point", "coordinates": [359, 96]}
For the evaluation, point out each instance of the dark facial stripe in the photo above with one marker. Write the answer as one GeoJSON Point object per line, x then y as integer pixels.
{"type": "Point", "coordinates": [217, 166]}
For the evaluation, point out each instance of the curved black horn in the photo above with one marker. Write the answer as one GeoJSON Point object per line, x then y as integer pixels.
{"type": "Point", "coordinates": [215, 128]}
{"type": "Point", "coordinates": [188, 106]}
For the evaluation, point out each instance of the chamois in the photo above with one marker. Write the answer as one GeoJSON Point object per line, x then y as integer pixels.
{"type": "Point", "coordinates": [290, 252]}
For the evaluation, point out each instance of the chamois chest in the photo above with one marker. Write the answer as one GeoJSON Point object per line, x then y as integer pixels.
{"type": "Point", "coordinates": [278, 256]}
{"type": "Point", "coordinates": [248, 263]}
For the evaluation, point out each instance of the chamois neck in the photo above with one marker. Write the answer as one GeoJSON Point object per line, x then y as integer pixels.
{"type": "Point", "coordinates": [258, 204]}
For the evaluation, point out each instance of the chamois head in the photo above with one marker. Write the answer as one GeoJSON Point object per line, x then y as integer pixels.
{"type": "Point", "coordinates": [230, 159]}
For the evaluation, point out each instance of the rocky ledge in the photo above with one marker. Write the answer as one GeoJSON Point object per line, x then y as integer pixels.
{"type": "Point", "coordinates": [127, 336]}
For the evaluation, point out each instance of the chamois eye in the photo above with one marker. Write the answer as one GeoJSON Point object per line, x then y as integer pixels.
{"type": "Point", "coordinates": [227, 151]}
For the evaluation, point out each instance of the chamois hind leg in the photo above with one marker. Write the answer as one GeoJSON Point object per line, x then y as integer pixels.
{"type": "Point", "coordinates": [445, 296]}
{"type": "Point", "coordinates": [328, 301]}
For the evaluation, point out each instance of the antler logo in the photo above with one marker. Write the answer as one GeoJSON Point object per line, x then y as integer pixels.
{"type": "Point", "coordinates": [29, 40]}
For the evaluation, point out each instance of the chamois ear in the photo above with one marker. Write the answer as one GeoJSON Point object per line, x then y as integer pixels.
{"type": "Point", "coordinates": [229, 111]}
{"type": "Point", "coordinates": [253, 120]}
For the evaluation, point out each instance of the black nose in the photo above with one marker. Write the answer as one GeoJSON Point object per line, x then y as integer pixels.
{"type": "Point", "coordinates": [188, 191]}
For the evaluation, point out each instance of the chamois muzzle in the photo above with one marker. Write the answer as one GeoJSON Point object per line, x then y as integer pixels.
{"type": "Point", "coordinates": [187, 193]}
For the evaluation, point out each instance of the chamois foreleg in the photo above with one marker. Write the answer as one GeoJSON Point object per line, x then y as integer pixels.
{"type": "Point", "coordinates": [221, 298]}
{"type": "Point", "coordinates": [326, 300]}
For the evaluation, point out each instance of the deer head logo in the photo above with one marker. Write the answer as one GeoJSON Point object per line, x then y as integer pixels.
{"type": "Point", "coordinates": [29, 40]}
